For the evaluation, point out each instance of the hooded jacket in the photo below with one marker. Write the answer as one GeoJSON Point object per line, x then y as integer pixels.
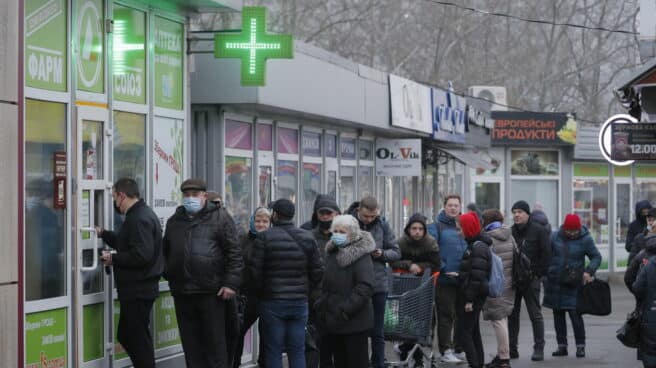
{"type": "Point", "coordinates": [452, 246]}
{"type": "Point", "coordinates": [475, 268]}
{"type": "Point", "coordinates": [322, 200]}
{"type": "Point", "coordinates": [138, 263]}
{"type": "Point", "coordinates": [345, 305]}
{"type": "Point", "coordinates": [423, 252]}
{"type": "Point", "coordinates": [557, 295]}
{"type": "Point", "coordinates": [533, 240]}
{"type": "Point", "coordinates": [639, 260]}
{"type": "Point", "coordinates": [202, 251]}
{"type": "Point", "coordinates": [638, 225]}
{"type": "Point", "coordinates": [502, 245]}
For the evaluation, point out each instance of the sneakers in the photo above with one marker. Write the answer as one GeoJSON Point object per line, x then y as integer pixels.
{"type": "Point", "coordinates": [461, 355]}
{"type": "Point", "coordinates": [538, 355]}
{"type": "Point", "coordinates": [580, 351]}
{"type": "Point", "coordinates": [561, 352]}
{"type": "Point", "coordinates": [450, 357]}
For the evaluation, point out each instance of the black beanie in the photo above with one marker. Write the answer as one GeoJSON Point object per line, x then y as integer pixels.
{"type": "Point", "coordinates": [284, 207]}
{"type": "Point", "coordinates": [521, 205]}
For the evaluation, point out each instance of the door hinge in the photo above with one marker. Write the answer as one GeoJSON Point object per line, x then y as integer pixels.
{"type": "Point", "coordinates": [109, 25]}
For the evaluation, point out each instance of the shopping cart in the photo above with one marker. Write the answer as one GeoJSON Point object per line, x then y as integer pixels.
{"type": "Point", "coordinates": [409, 314]}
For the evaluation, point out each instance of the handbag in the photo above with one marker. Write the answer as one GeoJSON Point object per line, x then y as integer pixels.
{"type": "Point", "coordinates": [629, 333]}
{"type": "Point", "coordinates": [594, 298]}
{"type": "Point", "coordinates": [569, 276]}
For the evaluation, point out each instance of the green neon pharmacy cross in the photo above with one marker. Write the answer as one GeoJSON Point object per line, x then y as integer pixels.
{"type": "Point", "coordinates": [253, 46]}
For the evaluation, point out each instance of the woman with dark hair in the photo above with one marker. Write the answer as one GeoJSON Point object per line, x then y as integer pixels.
{"type": "Point", "coordinates": [497, 310]}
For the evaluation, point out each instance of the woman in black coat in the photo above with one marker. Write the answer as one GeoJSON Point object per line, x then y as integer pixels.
{"type": "Point", "coordinates": [345, 310]}
{"type": "Point", "coordinates": [474, 276]}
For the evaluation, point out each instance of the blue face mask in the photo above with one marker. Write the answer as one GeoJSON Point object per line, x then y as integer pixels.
{"type": "Point", "coordinates": [338, 239]}
{"type": "Point", "coordinates": [192, 204]}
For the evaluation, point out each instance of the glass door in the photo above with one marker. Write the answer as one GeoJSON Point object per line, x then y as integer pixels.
{"type": "Point", "coordinates": [623, 217]}
{"type": "Point", "coordinates": [92, 282]}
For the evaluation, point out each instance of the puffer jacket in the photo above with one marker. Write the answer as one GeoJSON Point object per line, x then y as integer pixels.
{"type": "Point", "coordinates": [639, 261]}
{"type": "Point", "coordinates": [424, 253]}
{"type": "Point", "coordinates": [534, 242]}
{"type": "Point", "coordinates": [386, 241]}
{"type": "Point", "coordinates": [502, 245]}
{"type": "Point", "coordinates": [286, 263]}
{"type": "Point", "coordinates": [557, 295]}
{"type": "Point", "coordinates": [345, 305]}
{"type": "Point", "coordinates": [202, 251]}
{"type": "Point", "coordinates": [645, 288]}
{"type": "Point", "coordinates": [475, 269]}
{"type": "Point", "coordinates": [452, 246]}
{"type": "Point", "coordinates": [638, 225]}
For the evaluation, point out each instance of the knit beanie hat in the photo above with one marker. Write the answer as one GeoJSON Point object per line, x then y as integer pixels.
{"type": "Point", "coordinates": [572, 222]}
{"type": "Point", "coordinates": [521, 205]}
{"type": "Point", "coordinates": [470, 225]}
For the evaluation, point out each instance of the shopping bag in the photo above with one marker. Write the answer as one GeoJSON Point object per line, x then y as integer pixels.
{"type": "Point", "coordinates": [629, 333]}
{"type": "Point", "coordinates": [594, 298]}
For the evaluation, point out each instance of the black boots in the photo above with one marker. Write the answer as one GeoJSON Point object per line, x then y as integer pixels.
{"type": "Point", "coordinates": [538, 355]}
{"type": "Point", "coordinates": [514, 353]}
{"type": "Point", "coordinates": [580, 351]}
{"type": "Point", "coordinates": [498, 363]}
{"type": "Point", "coordinates": [562, 351]}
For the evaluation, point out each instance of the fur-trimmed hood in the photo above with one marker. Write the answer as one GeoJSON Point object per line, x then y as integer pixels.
{"type": "Point", "coordinates": [363, 244]}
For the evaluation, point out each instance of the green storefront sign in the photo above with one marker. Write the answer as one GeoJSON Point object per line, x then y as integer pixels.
{"type": "Point", "coordinates": [45, 44]}
{"type": "Point", "coordinates": [129, 59]}
{"type": "Point", "coordinates": [166, 324]}
{"type": "Point", "coordinates": [168, 63]}
{"type": "Point", "coordinates": [93, 331]}
{"type": "Point", "coordinates": [46, 339]}
{"type": "Point", "coordinates": [90, 48]}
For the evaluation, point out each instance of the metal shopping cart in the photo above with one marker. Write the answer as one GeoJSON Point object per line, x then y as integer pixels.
{"type": "Point", "coordinates": [409, 314]}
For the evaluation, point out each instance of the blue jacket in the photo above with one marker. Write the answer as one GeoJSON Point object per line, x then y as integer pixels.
{"type": "Point", "coordinates": [556, 295]}
{"type": "Point", "coordinates": [645, 289]}
{"type": "Point", "coordinates": [452, 245]}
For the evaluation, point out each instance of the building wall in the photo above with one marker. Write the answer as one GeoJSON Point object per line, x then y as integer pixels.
{"type": "Point", "coordinates": [8, 181]}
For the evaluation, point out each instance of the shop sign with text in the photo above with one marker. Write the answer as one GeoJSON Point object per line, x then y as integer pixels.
{"type": "Point", "coordinates": [633, 141]}
{"type": "Point", "coordinates": [411, 105]}
{"type": "Point", "coordinates": [398, 157]}
{"type": "Point", "coordinates": [168, 164]}
{"type": "Point", "coordinates": [45, 44]}
{"type": "Point", "coordinates": [46, 339]}
{"type": "Point", "coordinates": [533, 128]}
{"type": "Point", "coordinates": [90, 49]}
{"type": "Point", "coordinates": [169, 40]}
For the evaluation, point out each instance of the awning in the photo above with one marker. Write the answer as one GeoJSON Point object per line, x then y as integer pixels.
{"type": "Point", "coordinates": [474, 158]}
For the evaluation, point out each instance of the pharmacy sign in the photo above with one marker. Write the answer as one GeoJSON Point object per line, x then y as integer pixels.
{"type": "Point", "coordinates": [253, 46]}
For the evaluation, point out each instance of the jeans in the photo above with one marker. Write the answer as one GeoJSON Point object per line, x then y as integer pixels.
{"type": "Point", "coordinates": [501, 330]}
{"type": "Point", "coordinates": [560, 324]}
{"type": "Point", "coordinates": [349, 350]}
{"type": "Point", "coordinates": [531, 297]}
{"type": "Point", "coordinates": [134, 332]}
{"type": "Point", "coordinates": [283, 330]}
{"type": "Point", "coordinates": [447, 296]}
{"type": "Point", "coordinates": [377, 334]}
{"type": "Point", "coordinates": [470, 329]}
{"type": "Point", "coordinates": [201, 320]}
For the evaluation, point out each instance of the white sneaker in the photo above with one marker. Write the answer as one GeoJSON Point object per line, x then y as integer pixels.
{"type": "Point", "coordinates": [462, 356]}
{"type": "Point", "coordinates": [450, 357]}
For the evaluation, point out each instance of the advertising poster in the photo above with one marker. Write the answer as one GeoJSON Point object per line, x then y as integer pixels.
{"type": "Point", "coordinates": [169, 42]}
{"type": "Point", "coordinates": [633, 141]}
{"type": "Point", "coordinates": [168, 166]}
{"type": "Point", "coordinates": [399, 157]}
{"type": "Point", "coordinates": [45, 338]}
{"type": "Point", "coordinates": [166, 323]}
{"type": "Point", "coordinates": [534, 163]}
{"type": "Point", "coordinates": [534, 128]}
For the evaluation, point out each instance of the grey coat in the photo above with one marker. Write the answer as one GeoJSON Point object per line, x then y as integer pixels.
{"type": "Point", "coordinates": [385, 240]}
{"type": "Point", "coordinates": [502, 244]}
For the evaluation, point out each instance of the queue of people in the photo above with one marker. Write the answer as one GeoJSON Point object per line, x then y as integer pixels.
{"type": "Point", "coordinates": [334, 277]}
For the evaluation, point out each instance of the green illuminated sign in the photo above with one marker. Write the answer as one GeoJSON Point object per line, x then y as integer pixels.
{"type": "Point", "coordinates": [129, 59]}
{"type": "Point", "coordinates": [166, 323]}
{"type": "Point", "coordinates": [168, 63]}
{"type": "Point", "coordinates": [253, 46]}
{"type": "Point", "coordinates": [45, 338]}
{"type": "Point", "coordinates": [90, 46]}
{"type": "Point", "coordinates": [45, 44]}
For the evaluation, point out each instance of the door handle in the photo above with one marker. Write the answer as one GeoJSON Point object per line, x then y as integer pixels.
{"type": "Point", "coordinates": [94, 265]}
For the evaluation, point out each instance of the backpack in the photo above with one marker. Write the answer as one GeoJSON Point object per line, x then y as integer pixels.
{"type": "Point", "coordinates": [521, 269]}
{"type": "Point", "coordinates": [496, 282]}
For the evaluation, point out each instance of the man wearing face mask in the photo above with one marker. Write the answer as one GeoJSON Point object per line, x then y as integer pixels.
{"type": "Point", "coordinates": [138, 265]}
{"type": "Point", "coordinates": [203, 267]}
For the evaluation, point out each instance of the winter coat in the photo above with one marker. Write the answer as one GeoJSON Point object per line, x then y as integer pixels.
{"type": "Point", "coordinates": [475, 269]}
{"type": "Point", "coordinates": [639, 261]}
{"type": "Point", "coordinates": [557, 295]}
{"type": "Point", "coordinates": [385, 240]}
{"type": "Point", "coordinates": [424, 252]}
{"type": "Point", "coordinates": [202, 251]}
{"type": "Point", "coordinates": [502, 245]}
{"type": "Point", "coordinates": [645, 288]}
{"type": "Point", "coordinates": [322, 200]}
{"type": "Point", "coordinates": [638, 244]}
{"type": "Point", "coordinates": [138, 263]}
{"type": "Point", "coordinates": [638, 225]}
{"type": "Point", "coordinates": [534, 242]}
{"type": "Point", "coordinates": [321, 238]}
{"type": "Point", "coordinates": [345, 305]}
{"type": "Point", "coordinates": [286, 263]}
{"type": "Point", "coordinates": [247, 245]}
{"type": "Point", "coordinates": [452, 246]}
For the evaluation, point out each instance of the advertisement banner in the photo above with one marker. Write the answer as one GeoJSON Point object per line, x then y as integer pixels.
{"type": "Point", "coordinates": [312, 144]}
{"type": "Point", "coordinates": [168, 63]}
{"type": "Point", "coordinates": [633, 141]}
{"type": "Point", "coordinates": [347, 147]}
{"type": "Point", "coordinates": [449, 116]}
{"type": "Point", "coordinates": [45, 44]}
{"type": "Point", "coordinates": [166, 323]}
{"type": "Point", "coordinates": [46, 339]}
{"type": "Point", "coordinates": [90, 52]}
{"type": "Point", "coordinates": [411, 104]}
{"type": "Point", "coordinates": [398, 157]}
{"type": "Point", "coordinates": [534, 128]}
{"type": "Point", "coordinates": [129, 59]}
{"type": "Point", "coordinates": [168, 165]}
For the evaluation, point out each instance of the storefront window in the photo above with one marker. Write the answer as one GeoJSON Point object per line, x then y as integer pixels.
{"type": "Point", "coordinates": [238, 135]}
{"type": "Point", "coordinates": [487, 195]}
{"type": "Point", "coordinates": [347, 187]}
{"type": "Point", "coordinates": [407, 201]}
{"type": "Point", "coordinates": [590, 203]}
{"type": "Point", "coordinates": [130, 148]}
{"type": "Point", "coordinates": [311, 187]}
{"type": "Point", "coordinates": [623, 209]}
{"type": "Point", "coordinates": [264, 137]}
{"type": "Point", "coordinates": [287, 140]}
{"type": "Point", "coordinates": [366, 185]}
{"type": "Point", "coordinates": [366, 150]}
{"type": "Point", "coordinates": [238, 184]}
{"type": "Point", "coordinates": [312, 144]}
{"type": "Point", "coordinates": [544, 192]}
{"type": "Point", "coordinates": [45, 235]}
{"type": "Point", "coordinates": [331, 145]}
{"type": "Point", "coordinates": [534, 163]}
{"type": "Point", "coordinates": [287, 180]}
{"type": "Point", "coordinates": [264, 186]}
{"type": "Point", "coordinates": [347, 148]}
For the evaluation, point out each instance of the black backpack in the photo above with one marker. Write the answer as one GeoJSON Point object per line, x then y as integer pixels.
{"type": "Point", "coordinates": [521, 268]}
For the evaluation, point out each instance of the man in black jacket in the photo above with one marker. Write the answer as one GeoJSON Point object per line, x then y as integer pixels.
{"type": "Point", "coordinates": [639, 224]}
{"type": "Point", "coordinates": [533, 240]}
{"type": "Point", "coordinates": [203, 267]}
{"type": "Point", "coordinates": [286, 268]}
{"type": "Point", "coordinates": [138, 265]}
